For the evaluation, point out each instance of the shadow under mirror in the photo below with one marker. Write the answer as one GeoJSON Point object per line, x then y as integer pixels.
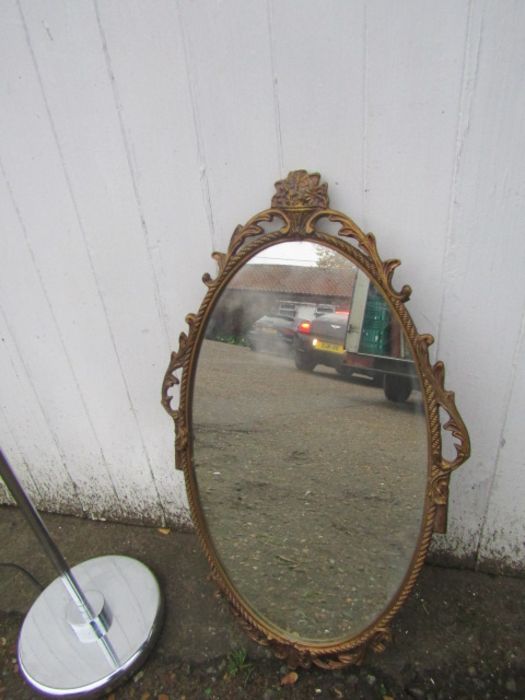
{"type": "Point", "coordinates": [309, 442]}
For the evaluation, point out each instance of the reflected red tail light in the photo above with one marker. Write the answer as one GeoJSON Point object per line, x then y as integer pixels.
{"type": "Point", "coordinates": [304, 327]}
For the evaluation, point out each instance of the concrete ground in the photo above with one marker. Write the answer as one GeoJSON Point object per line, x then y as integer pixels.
{"type": "Point", "coordinates": [461, 635]}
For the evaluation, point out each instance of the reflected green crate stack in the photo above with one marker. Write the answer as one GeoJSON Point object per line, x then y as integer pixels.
{"type": "Point", "coordinates": [375, 334]}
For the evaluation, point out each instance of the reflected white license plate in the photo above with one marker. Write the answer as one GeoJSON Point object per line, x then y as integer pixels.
{"type": "Point", "coordinates": [328, 347]}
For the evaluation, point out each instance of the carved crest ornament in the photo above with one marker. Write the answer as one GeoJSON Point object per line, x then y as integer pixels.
{"type": "Point", "coordinates": [298, 209]}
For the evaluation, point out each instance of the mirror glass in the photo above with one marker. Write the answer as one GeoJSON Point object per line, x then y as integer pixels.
{"type": "Point", "coordinates": [309, 442]}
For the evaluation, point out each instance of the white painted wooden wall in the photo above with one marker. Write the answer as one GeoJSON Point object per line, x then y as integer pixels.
{"type": "Point", "coordinates": [135, 135]}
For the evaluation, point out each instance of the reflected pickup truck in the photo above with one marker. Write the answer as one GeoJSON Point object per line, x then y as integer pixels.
{"type": "Point", "coordinates": [375, 344]}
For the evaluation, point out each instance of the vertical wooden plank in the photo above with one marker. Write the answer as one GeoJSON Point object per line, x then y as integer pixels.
{"type": "Point", "coordinates": [483, 280]}
{"type": "Point", "coordinates": [319, 82]}
{"type": "Point", "coordinates": [503, 535]}
{"type": "Point", "coordinates": [33, 357]}
{"type": "Point", "coordinates": [160, 136]}
{"type": "Point", "coordinates": [229, 70]}
{"type": "Point", "coordinates": [27, 436]}
{"type": "Point", "coordinates": [414, 64]}
{"type": "Point", "coordinates": [160, 132]}
{"type": "Point", "coordinates": [114, 230]}
{"type": "Point", "coordinates": [66, 468]}
{"type": "Point", "coordinates": [29, 431]}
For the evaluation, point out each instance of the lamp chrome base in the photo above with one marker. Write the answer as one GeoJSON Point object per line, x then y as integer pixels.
{"type": "Point", "coordinates": [62, 654]}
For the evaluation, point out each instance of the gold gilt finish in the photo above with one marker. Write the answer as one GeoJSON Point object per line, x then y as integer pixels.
{"type": "Point", "coordinates": [298, 208]}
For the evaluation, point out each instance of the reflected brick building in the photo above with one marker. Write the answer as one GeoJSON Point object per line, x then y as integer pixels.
{"type": "Point", "coordinates": [257, 290]}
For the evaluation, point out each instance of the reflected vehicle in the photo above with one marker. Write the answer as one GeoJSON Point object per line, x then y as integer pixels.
{"type": "Point", "coordinates": [275, 332]}
{"type": "Point", "coordinates": [272, 334]}
{"type": "Point", "coordinates": [375, 344]}
{"type": "Point", "coordinates": [321, 342]}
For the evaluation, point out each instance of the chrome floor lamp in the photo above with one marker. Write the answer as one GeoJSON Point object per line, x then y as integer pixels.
{"type": "Point", "coordinates": [93, 626]}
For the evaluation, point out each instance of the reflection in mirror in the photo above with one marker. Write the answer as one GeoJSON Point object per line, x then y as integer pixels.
{"type": "Point", "coordinates": [309, 442]}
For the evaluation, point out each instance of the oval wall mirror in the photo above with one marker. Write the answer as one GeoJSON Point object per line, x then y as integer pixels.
{"type": "Point", "coordinates": [309, 431]}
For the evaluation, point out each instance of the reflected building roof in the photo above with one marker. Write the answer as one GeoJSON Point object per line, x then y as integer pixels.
{"type": "Point", "coordinates": [295, 279]}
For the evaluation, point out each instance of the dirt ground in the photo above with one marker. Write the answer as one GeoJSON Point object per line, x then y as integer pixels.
{"type": "Point", "coordinates": [459, 637]}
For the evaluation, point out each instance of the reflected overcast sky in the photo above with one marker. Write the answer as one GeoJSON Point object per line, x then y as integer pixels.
{"type": "Point", "coordinates": [295, 253]}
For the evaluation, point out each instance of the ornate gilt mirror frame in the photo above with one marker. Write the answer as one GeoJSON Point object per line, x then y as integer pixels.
{"type": "Point", "coordinates": [298, 208]}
